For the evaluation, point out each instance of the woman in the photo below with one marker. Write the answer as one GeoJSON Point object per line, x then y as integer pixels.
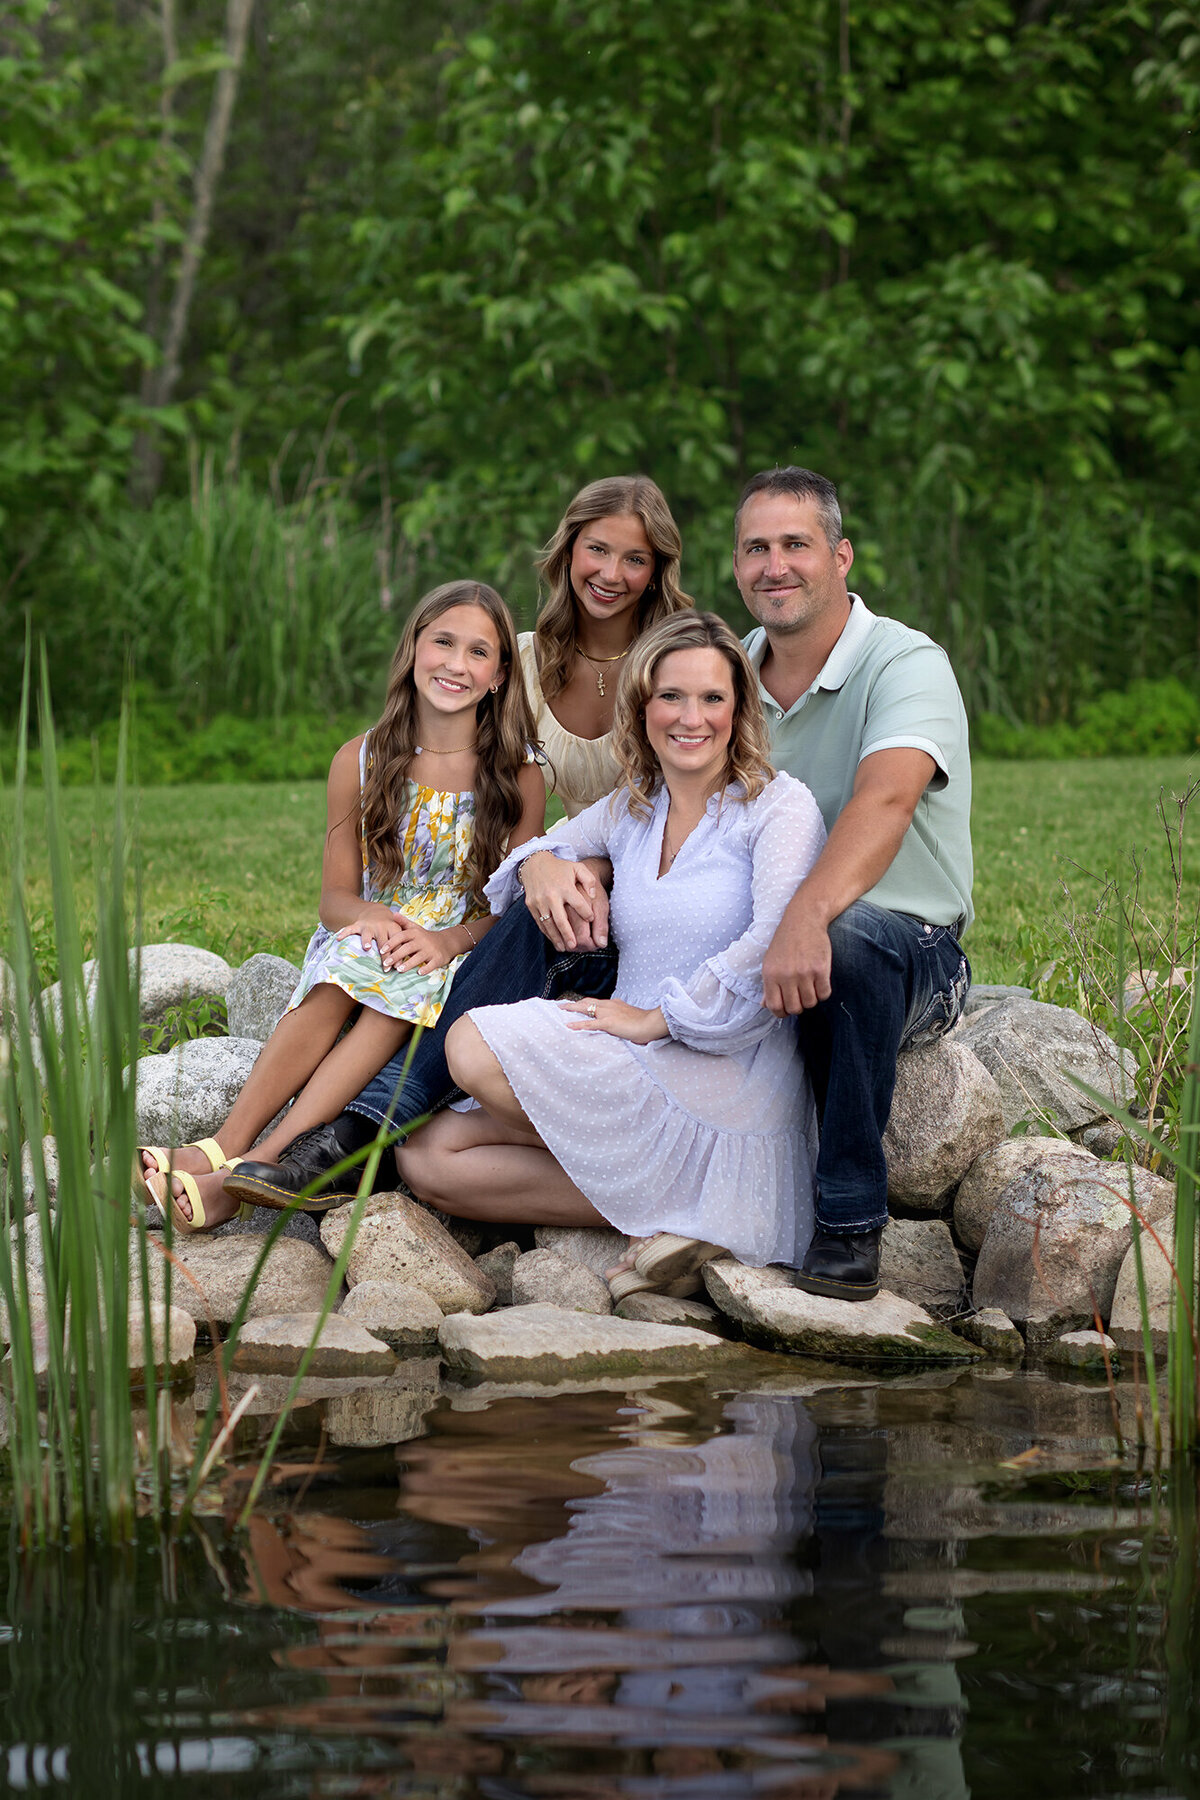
{"type": "Point", "coordinates": [612, 569]}
{"type": "Point", "coordinates": [680, 1106]}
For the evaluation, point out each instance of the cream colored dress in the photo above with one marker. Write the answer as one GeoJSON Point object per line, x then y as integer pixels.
{"type": "Point", "coordinates": [581, 769]}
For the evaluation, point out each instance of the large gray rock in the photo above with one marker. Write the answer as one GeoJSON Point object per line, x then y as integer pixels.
{"type": "Point", "coordinates": [276, 1344]}
{"type": "Point", "coordinates": [986, 1179]}
{"type": "Point", "coordinates": [1033, 1049]}
{"type": "Point", "coordinates": [171, 975]}
{"type": "Point", "coordinates": [774, 1313]}
{"type": "Point", "coordinates": [946, 1111]}
{"type": "Point", "coordinates": [595, 1246]}
{"type": "Point", "coordinates": [257, 995]}
{"type": "Point", "coordinates": [400, 1240]}
{"type": "Point", "coordinates": [215, 1275]}
{"type": "Point", "coordinates": [172, 1330]}
{"type": "Point", "coordinates": [49, 1163]}
{"type": "Point", "coordinates": [918, 1262]}
{"type": "Point", "coordinates": [498, 1265]}
{"type": "Point", "coordinates": [186, 1093]}
{"type": "Point", "coordinates": [1056, 1241]}
{"type": "Point", "coordinates": [542, 1277]}
{"type": "Point", "coordinates": [1125, 1320]}
{"type": "Point", "coordinates": [986, 993]}
{"type": "Point", "coordinates": [549, 1344]}
{"type": "Point", "coordinates": [404, 1317]}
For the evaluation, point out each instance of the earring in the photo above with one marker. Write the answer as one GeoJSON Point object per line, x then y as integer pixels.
{"type": "Point", "coordinates": [495, 688]}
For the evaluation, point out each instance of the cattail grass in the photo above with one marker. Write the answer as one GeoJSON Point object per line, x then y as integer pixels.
{"type": "Point", "coordinates": [74, 1463]}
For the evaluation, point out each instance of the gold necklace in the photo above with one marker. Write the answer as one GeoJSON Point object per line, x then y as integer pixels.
{"type": "Point", "coordinates": [420, 750]}
{"type": "Point", "coordinates": [595, 660]}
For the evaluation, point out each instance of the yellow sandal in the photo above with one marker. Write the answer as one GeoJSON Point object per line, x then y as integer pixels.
{"type": "Point", "coordinates": [208, 1147]}
{"type": "Point", "coordinates": [191, 1192]}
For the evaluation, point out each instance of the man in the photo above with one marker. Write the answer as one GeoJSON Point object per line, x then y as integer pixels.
{"type": "Point", "coordinates": [866, 712]}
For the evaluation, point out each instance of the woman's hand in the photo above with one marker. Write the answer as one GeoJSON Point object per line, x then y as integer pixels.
{"type": "Point", "coordinates": [378, 927]}
{"type": "Point", "coordinates": [421, 948]}
{"type": "Point", "coordinates": [564, 897]}
{"type": "Point", "coordinates": [633, 1023]}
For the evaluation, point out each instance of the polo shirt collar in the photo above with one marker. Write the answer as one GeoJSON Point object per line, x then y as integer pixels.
{"type": "Point", "coordinates": [836, 669]}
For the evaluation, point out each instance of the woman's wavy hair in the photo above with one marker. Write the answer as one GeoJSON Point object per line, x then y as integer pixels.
{"type": "Point", "coordinates": [504, 729]}
{"type": "Point", "coordinates": [615, 495]}
{"type": "Point", "coordinates": [748, 761]}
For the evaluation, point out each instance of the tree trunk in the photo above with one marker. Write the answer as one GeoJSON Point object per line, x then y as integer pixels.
{"type": "Point", "coordinates": [159, 384]}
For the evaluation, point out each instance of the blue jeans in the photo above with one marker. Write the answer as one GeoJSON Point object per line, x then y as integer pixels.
{"type": "Point", "coordinates": [514, 962]}
{"type": "Point", "coordinates": [895, 982]}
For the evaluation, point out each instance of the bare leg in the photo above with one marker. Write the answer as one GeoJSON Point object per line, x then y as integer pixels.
{"type": "Point", "coordinates": [477, 1167]}
{"type": "Point", "coordinates": [371, 1041]}
{"type": "Point", "coordinates": [286, 1061]}
{"type": "Point", "coordinates": [340, 1074]}
{"type": "Point", "coordinates": [477, 1071]}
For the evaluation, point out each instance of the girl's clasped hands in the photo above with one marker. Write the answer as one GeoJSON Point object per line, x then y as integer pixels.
{"type": "Point", "coordinates": [400, 942]}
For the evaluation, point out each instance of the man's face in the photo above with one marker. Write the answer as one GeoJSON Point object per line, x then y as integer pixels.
{"type": "Point", "coordinates": [786, 572]}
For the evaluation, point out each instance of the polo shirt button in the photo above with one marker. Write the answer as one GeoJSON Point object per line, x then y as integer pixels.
{"type": "Point", "coordinates": [779, 712]}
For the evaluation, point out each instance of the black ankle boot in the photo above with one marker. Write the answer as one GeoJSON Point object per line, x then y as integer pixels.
{"type": "Point", "coordinates": [306, 1159]}
{"type": "Point", "coordinates": [842, 1266]}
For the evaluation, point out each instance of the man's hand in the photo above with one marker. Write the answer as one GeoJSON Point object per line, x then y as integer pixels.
{"type": "Point", "coordinates": [797, 965]}
{"type": "Point", "coordinates": [567, 900]}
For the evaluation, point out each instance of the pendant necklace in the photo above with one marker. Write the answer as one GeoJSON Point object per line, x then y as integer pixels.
{"type": "Point", "coordinates": [597, 660]}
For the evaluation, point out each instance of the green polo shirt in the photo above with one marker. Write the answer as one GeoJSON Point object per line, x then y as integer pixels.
{"type": "Point", "coordinates": [885, 686]}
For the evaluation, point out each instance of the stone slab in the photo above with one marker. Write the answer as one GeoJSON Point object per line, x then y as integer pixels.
{"type": "Point", "coordinates": [772, 1312]}
{"type": "Point", "coordinates": [548, 1343]}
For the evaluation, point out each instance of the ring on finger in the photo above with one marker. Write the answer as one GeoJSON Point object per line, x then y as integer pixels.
{"type": "Point", "coordinates": [543, 917]}
{"type": "Point", "coordinates": [591, 1009]}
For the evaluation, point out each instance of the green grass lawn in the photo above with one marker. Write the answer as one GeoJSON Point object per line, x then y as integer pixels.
{"type": "Point", "coordinates": [237, 869]}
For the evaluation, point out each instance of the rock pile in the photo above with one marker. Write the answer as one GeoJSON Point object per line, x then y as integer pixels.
{"type": "Point", "coordinates": [996, 1240]}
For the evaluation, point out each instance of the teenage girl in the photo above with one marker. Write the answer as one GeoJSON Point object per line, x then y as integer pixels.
{"type": "Point", "coordinates": [422, 809]}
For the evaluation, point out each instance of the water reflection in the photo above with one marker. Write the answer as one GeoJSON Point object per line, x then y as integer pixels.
{"type": "Point", "coordinates": [814, 1588]}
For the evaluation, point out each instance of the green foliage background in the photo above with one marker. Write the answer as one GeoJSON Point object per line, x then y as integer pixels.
{"type": "Point", "coordinates": [464, 259]}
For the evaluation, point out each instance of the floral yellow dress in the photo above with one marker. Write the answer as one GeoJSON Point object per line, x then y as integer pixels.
{"type": "Point", "coordinates": [436, 831]}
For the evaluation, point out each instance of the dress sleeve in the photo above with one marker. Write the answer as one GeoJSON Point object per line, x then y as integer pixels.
{"type": "Point", "coordinates": [590, 833]}
{"type": "Point", "coordinates": [720, 1010]}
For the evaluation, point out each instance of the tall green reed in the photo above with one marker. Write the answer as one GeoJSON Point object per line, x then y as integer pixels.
{"type": "Point", "coordinates": [74, 1276]}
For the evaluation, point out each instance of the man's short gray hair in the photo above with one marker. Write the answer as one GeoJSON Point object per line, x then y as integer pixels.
{"type": "Point", "coordinates": [801, 484]}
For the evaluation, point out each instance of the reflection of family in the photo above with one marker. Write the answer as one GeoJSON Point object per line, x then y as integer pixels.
{"type": "Point", "coordinates": [776, 937]}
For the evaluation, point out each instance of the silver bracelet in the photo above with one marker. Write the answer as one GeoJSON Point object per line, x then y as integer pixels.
{"type": "Point", "coordinates": [523, 865]}
{"type": "Point", "coordinates": [470, 934]}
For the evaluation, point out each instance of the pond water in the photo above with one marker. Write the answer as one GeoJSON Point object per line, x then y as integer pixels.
{"type": "Point", "coordinates": [812, 1584]}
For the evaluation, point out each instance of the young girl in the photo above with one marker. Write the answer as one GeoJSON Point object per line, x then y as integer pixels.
{"type": "Point", "coordinates": [422, 809]}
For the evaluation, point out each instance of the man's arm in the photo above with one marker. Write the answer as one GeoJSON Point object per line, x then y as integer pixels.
{"type": "Point", "coordinates": [866, 835]}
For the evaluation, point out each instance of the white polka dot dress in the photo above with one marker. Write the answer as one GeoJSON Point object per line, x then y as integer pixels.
{"type": "Point", "coordinates": [712, 1131]}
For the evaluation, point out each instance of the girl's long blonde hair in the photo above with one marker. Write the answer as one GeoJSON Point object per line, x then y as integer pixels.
{"type": "Point", "coordinates": [748, 759]}
{"type": "Point", "coordinates": [615, 495]}
{"type": "Point", "coordinates": [503, 730]}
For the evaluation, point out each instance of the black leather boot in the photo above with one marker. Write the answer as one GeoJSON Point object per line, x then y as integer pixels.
{"type": "Point", "coordinates": [842, 1266]}
{"type": "Point", "coordinates": [306, 1159]}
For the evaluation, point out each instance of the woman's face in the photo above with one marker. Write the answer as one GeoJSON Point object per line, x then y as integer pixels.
{"type": "Point", "coordinates": [689, 715]}
{"type": "Point", "coordinates": [612, 565]}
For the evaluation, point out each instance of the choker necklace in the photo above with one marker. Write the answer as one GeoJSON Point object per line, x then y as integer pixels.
{"type": "Point", "coordinates": [596, 660]}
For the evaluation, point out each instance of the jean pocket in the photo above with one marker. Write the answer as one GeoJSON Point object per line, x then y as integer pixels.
{"type": "Point", "coordinates": [940, 1002]}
